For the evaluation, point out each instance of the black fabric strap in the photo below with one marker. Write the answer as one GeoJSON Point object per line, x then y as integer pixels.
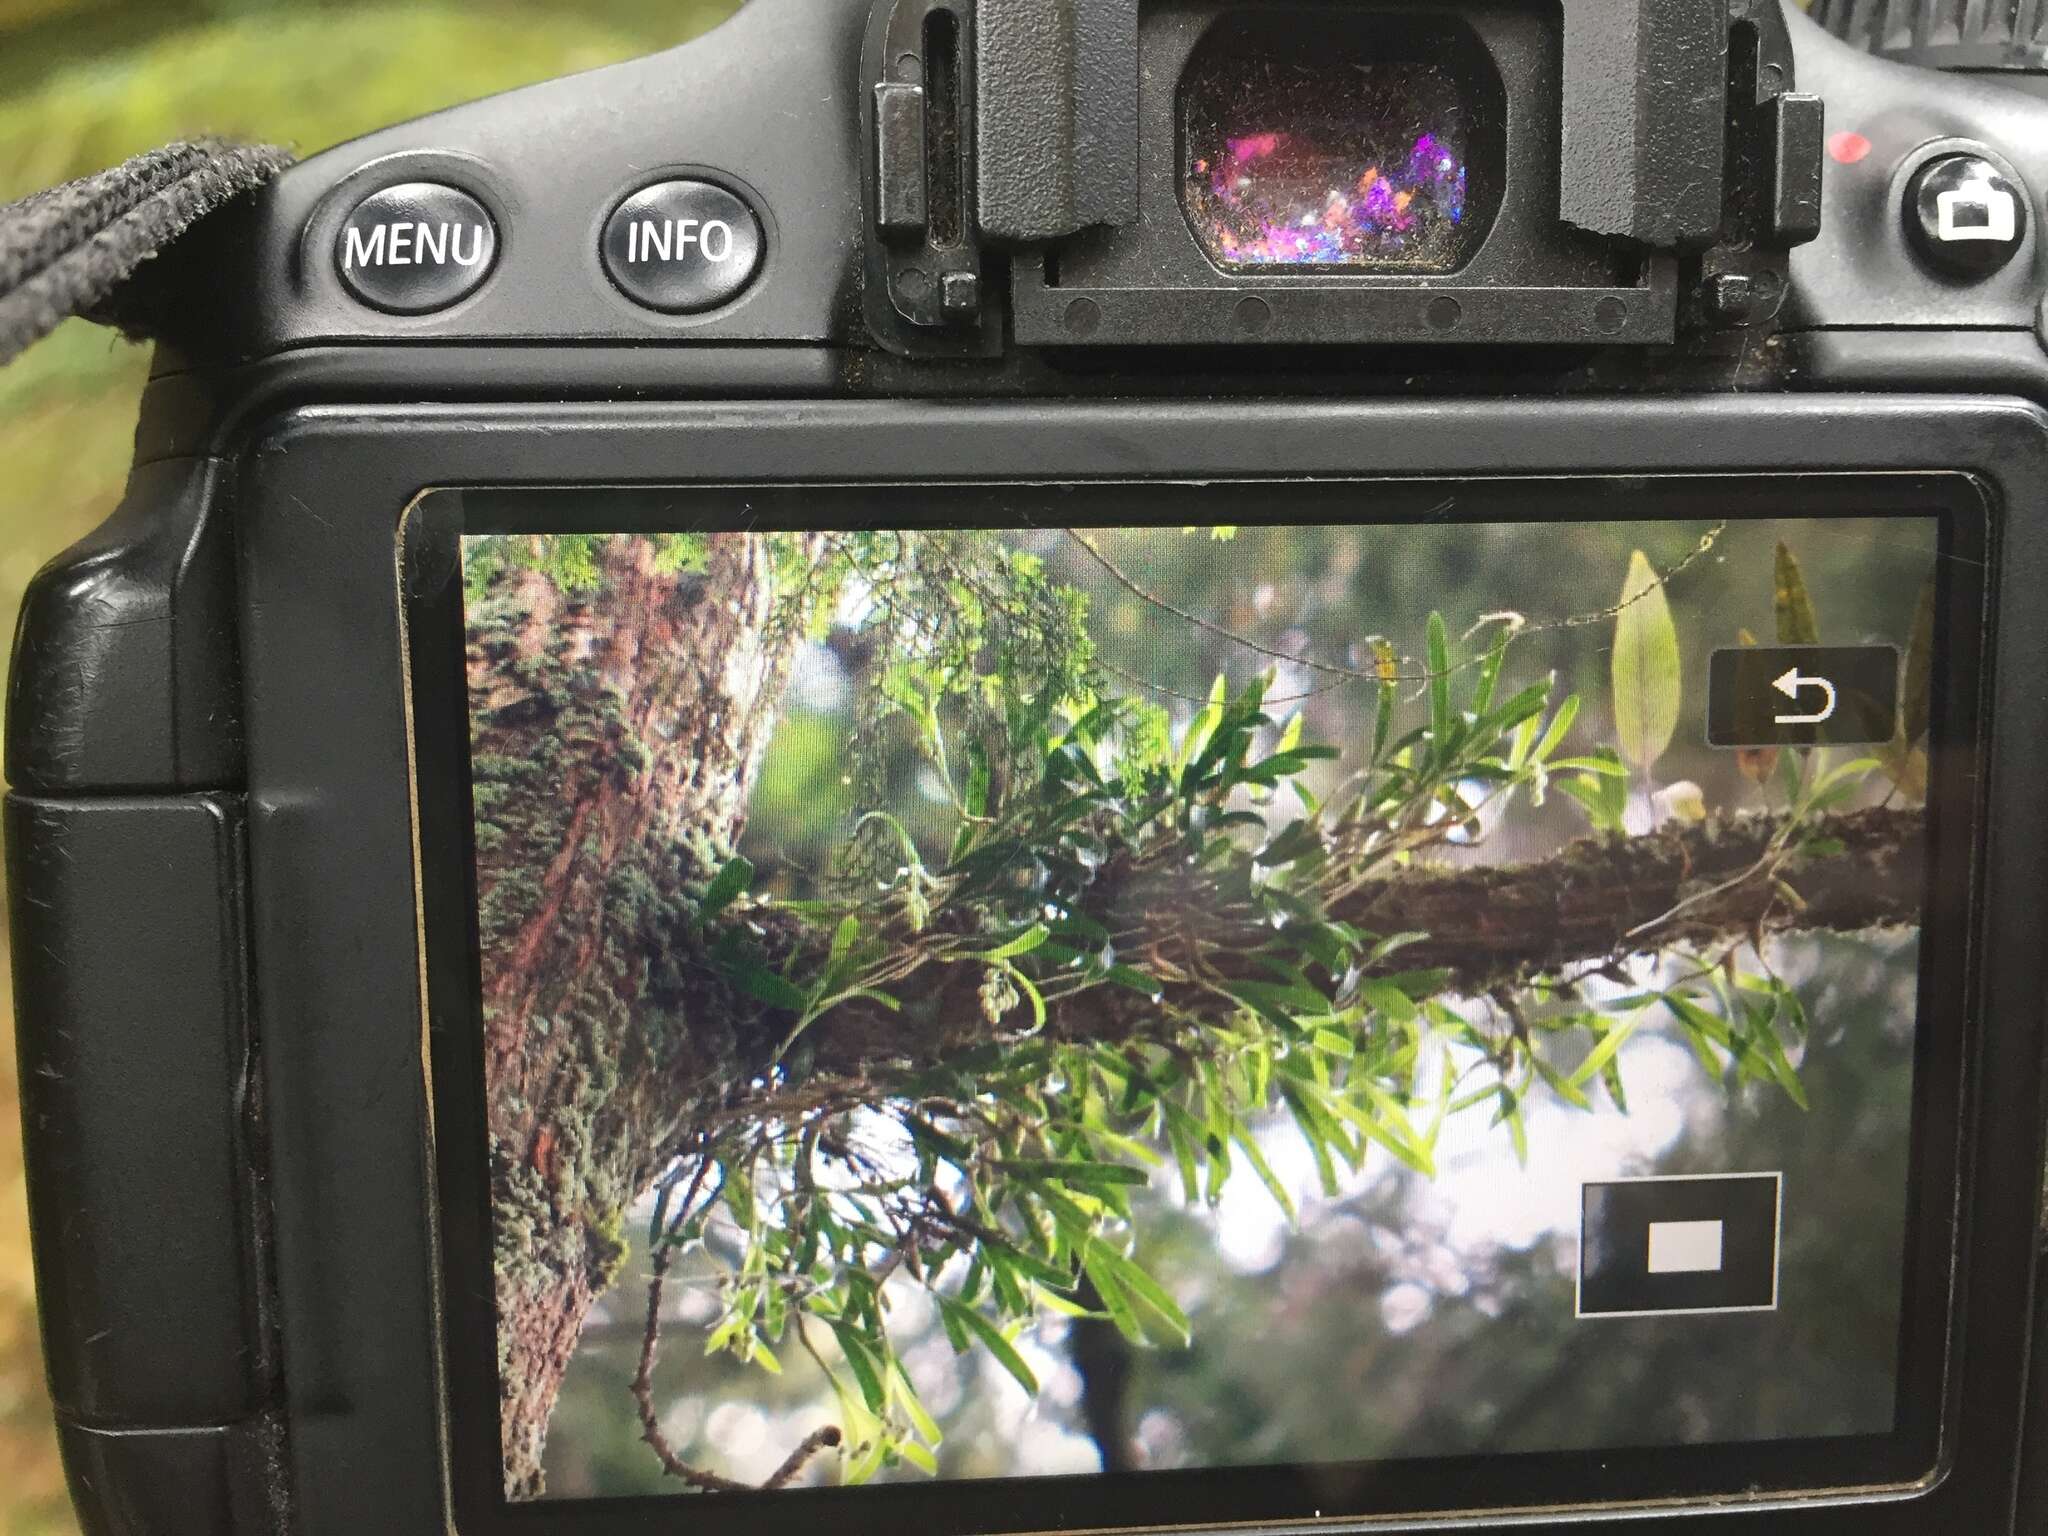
{"type": "Point", "coordinates": [71, 250]}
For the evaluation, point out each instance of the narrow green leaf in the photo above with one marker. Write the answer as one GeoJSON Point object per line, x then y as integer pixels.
{"type": "Point", "coordinates": [1489, 672]}
{"type": "Point", "coordinates": [1184, 1159]}
{"type": "Point", "coordinates": [1780, 1065]}
{"type": "Point", "coordinates": [1389, 999]}
{"type": "Point", "coordinates": [1439, 678]}
{"type": "Point", "coordinates": [972, 1322]}
{"type": "Point", "coordinates": [1386, 666]}
{"type": "Point", "coordinates": [1610, 1075]}
{"type": "Point", "coordinates": [1135, 979]}
{"type": "Point", "coordinates": [1136, 1283]}
{"type": "Point", "coordinates": [1518, 1131]}
{"type": "Point", "coordinates": [1560, 725]}
{"type": "Point", "coordinates": [1040, 1169]}
{"type": "Point", "coordinates": [727, 886]}
{"type": "Point", "coordinates": [1022, 944]}
{"type": "Point", "coordinates": [1114, 1302]}
{"type": "Point", "coordinates": [1248, 1144]}
{"type": "Point", "coordinates": [1334, 1042]}
{"type": "Point", "coordinates": [1915, 687]}
{"type": "Point", "coordinates": [1555, 1080]}
{"type": "Point", "coordinates": [1796, 624]}
{"type": "Point", "coordinates": [1031, 995]}
{"type": "Point", "coordinates": [860, 1359]}
{"type": "Point", "coordinates": [1397, 1143]}
{"type": "Point", "coordinates": [1603, 1052]}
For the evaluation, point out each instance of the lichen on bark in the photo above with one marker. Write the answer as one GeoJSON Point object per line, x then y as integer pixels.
{"type": "Point", "coordinates": [614, 745]}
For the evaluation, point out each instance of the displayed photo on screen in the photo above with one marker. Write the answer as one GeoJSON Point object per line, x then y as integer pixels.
{"type": "Point", "coordinates": [971, 1003]}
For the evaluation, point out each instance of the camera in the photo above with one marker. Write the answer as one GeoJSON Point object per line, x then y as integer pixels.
{"type": "Point", "coordinates": [1003, 766]}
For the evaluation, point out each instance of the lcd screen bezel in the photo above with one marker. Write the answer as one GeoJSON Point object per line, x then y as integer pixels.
{"type": "Point", "coordinates": [1491, 1485]}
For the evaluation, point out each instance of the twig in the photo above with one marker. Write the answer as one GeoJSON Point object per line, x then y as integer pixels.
{"type": "Point", "coordinates": [1359, 674]}
{"type": "Point", "coordinates": [643, 1393]}
{"type": "Point", "coordinates": [817, 1440]}
{"type": "Point", "coordinates": [643, 1383]}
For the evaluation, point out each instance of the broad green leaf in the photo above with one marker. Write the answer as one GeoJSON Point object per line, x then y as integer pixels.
{"type": "Point", "coordinates": [1796, 625]}
{"type": "Point", "coordinates": [1645, 667]}
{"type": "Point", "coordinates": [758, 981]}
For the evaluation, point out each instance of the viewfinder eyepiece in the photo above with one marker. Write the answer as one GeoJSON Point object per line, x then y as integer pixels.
{"type": "Point", "coordinates": [1305, 149]}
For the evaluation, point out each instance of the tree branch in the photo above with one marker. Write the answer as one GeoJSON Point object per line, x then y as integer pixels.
{"type": "Point", "coordinates": [1596, 899]}
{"type": "Point", "coordinates": [1606, 898]}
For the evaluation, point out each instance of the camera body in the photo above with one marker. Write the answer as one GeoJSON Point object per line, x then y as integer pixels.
{"type": "Point", "coordinates": [1016, 251]}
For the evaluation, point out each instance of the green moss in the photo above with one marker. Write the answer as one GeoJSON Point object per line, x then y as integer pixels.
{"type": "Point", "coordinates": [609, 1247]}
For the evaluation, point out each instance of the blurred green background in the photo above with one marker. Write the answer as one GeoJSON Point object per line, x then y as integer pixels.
{"type": "Point", "coordinates": [86, 83]}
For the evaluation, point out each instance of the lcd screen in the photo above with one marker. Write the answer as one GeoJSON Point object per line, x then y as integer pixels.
{"type": "Point", "coordinates": [1141, 992]}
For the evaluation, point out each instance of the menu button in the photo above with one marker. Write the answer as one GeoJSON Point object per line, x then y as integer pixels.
{"type": "Point", "coordinates": [415, 247]}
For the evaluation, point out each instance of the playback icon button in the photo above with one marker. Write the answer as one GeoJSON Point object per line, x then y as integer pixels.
{"type": "Point", "coordinates": [1679, 1244]}
{"type": "Point", "coordinates": [1802, 695]}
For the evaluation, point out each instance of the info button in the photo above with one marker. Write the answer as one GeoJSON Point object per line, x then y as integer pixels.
{"type": "Point", "coordinates": [679, 246]}
{"type": "Point", "coordinates": [1802, 695]}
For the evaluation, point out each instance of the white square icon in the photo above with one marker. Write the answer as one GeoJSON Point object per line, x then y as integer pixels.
{"type": "Point", "coordinates": [1685, 1247]}
{"type": "Point", "coordinates": [1975, 211]}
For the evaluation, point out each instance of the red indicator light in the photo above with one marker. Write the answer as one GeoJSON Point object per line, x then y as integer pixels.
{"type": "Point", "coordinates": [1846, 148]}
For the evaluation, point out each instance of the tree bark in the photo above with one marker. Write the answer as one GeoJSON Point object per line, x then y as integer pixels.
{"type": "Point", "coordinates": [614, 745]}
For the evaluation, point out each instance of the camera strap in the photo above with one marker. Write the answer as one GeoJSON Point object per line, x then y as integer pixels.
{"type": "Point", "coordinates": [74, 249]}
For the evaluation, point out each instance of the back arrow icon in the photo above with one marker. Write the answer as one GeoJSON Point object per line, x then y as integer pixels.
{"type": "Point", "coordinates": [1789, 683]}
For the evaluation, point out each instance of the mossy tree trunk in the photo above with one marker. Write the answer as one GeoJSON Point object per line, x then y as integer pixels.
{"type": "Point", "coordinates": [615, 744]}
